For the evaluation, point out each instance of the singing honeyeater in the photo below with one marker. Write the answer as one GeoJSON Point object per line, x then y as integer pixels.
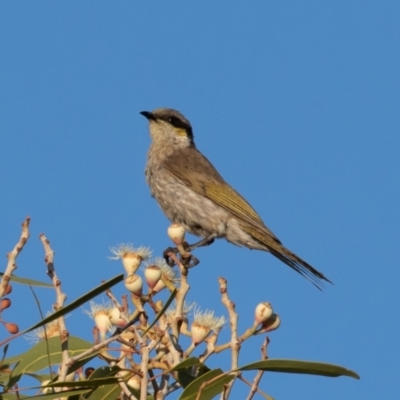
{"type": "Point", "coordinates": [191, 192]}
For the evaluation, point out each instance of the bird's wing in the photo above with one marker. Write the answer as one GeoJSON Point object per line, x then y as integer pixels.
{"type": "Point", "coordinates": [194, 170]}
{"type": "Point", "coordinates": [205, 180]}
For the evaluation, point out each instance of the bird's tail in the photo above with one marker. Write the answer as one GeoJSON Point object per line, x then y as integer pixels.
{"type": "Point", "coordinates": [276, 248]}
{"type": "Point", "coordinates": [300, 266]}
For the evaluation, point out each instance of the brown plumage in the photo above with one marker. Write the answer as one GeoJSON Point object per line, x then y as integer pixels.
{"type": "Point", "coordinates": [191, 192]}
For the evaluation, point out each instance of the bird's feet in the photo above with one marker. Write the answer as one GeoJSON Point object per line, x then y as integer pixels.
{"type": "Point", "coordinates": [188, 260]}
{"type": "Point", "coordinates": [201, 243]}
{"type": "Point", "coordinates": [167, 255]}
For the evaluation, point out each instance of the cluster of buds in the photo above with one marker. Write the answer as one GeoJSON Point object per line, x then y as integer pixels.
{"type": "Point", "coordinates": [157, 274]}
{"type": "Point", "coordinates": [106, 317]}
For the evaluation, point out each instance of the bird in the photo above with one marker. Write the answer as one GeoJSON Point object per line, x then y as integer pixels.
{"type": "Point", "coordinates": [191, 192]}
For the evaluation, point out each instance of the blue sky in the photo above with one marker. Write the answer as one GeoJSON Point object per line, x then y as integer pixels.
{"type": "Point", "coordinates": [297, 105]}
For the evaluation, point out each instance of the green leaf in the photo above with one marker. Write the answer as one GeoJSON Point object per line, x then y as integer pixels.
{"type": "Point", "coordinates": [35, 359]}
{"type": "Point", "coordinates": [78, 302]}
{"type": "Point", "coordinates": [80, 363]}
{"type": "Point", "coordinates": [4, 377]}
{"type": "Point", "coordinates": [189, 362]}
{"type": "Point", "coordinates": [94, 383]}
{"type": "Point", "coordinates": [300, 367]}
{"type": "Point", "coordinates": [14, 377]}
{"type": "Point", "coordinates": [40, 377]}
{"type": "Point", "coordinates": [65, 310]}
{"type": "Point", "coordinates": [103, 372]}
{"type": "Point", "coordinates": [185, 378]}
{"type": "Point", "coordinates": [105, 392]}
{"type": "Point", "coordinates": [162, 311]}
{"type": "Point", "coordinates": [51, 396]}
{"type": "Point", "coordinates": [184, 369]}
{"type": "Point", "coordinates": [12, 360]}
{"type": "Point", "coordinates": [102, 382]}
{"type": "Point", "coordinates": [213, 381]}
{"type": "Point", "coordinates": [12, 396]}
{"type": "Point", "coordinates": [4, 355]}
{"type": "Point", "coordinates": [88, 385]}
{"type": "Point", "coordinates": [28, 281]}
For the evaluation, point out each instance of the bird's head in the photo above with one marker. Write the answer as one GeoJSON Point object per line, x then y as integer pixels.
{"type": "Point", "coordinates": [169, 127]}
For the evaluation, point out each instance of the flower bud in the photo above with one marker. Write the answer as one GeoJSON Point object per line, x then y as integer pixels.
{"type": "Point", "coordinates": [115, 317]}
{"type": "Point", "coordinates": [102, 322]}
{"type": "Point", "coordinates": [262, 313]}
{"type": "Point", "coordinates": [203, 323]}
{"type": "Point", "coordinates": [7, 290]}
{"type": "Point", "coordinates": [11, 327]}
{"type": "Point", "coordinates": [131, 262]}
{"type": "Point", "coordinates": [176, 232]}
{"type": "Point", "coordinates": [159, 286]}
{"type": "Point", "coordinates": [199, 333]}
{"type": "Point", "coordinates": [134, 284]}
{"type": "Point", "coordinates": [134, 382]}
{"type": "Point", "coordinates": [100, 314]}
{"type": "Point", "coordinates": [131, 257]}
{"type": "Point", "coordinates": [5, 303]}
{"type": "Point", "coordinates": [152, 274]}
{"type": "Point", "coordinates": [271, 324]}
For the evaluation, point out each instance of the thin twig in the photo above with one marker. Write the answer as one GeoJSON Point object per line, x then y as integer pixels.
{"type": "Point", "coordinates": [45, 333]}
{"type": "Point", "coordinates": [13, 254]}
{"type": "Point", "coordinates": [235, 342]}
{"type": "Point", "coordinates": [60, 299]}
{"type": "Point", "coordinates": [144, 349]}
{"type": "Point", "coordinates": [254, 387]}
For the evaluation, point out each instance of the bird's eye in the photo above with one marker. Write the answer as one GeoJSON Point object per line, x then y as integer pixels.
{"type": "Point", "coordinates": [177, 122]}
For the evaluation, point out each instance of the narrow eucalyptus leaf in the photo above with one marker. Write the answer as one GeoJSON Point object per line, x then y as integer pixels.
{"type": "Point", "coordinates": [28, 281]}
{"type": "Point", "coordinates": [5, 349]}
{"type": "Point", "coordinates": [15, 376]}
{"type": "Point", "coordinates": [51, 396]}
{"type": "Point", "coordinates": [160, 314]}
{"type": "Point", "coordinates": [78, 302]}
{"type": "Point", "coordinates": [300, 367]}
{"type": "Point", "coordinates": [95, 383]}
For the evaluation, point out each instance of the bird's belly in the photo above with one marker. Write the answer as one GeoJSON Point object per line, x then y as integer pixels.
{"type": "Point", "coordinates": [199, 215]}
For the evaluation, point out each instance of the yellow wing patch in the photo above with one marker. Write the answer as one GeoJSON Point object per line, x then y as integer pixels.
{"type": "Point", "coordinates": [232, 201]}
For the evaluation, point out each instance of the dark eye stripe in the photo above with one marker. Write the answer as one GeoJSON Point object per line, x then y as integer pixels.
{"type": "Point", "coordinates": [177, 123]}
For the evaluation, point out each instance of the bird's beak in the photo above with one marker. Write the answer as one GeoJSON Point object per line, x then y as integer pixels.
{"type": "Point", "coordinates": [149, 115]}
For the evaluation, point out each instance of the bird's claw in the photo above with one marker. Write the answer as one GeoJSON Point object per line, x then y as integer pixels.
{"type": "Point", "coordinates": [188, 260]}
{"type": "Point", "coordinates": [166, 256]}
